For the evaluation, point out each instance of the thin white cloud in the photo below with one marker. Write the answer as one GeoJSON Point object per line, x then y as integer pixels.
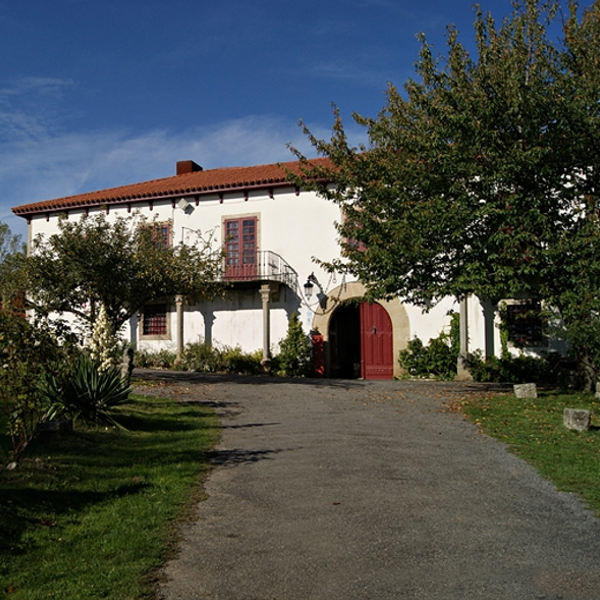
{"type": "Point", "coordinates": [70, 163]}
{"type": "Point", "coordinates": [43, 86]}
{"type": "Point", "coordinates": [347, 70]}
{"type": "Point", "coordinates": [40, 160]}
{"type": "Point", "coordinates": [27, 106]}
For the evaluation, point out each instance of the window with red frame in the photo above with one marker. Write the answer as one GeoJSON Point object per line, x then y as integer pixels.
{"type": "Point", "coordinates": [160, 234]}
{"type": "Point", "coordinates": [163, 235]}
{"type": "Point", "coordinates": [154, 321]}
{"type": "Point", "coordinates": [355, 244]}
{"type": "Point", "coordinates": [240, 248]}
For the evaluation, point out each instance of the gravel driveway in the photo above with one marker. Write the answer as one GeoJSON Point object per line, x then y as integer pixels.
{"type": "Point", "coordinates": [343, 490]}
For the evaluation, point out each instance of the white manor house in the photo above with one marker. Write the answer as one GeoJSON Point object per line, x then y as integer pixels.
{"type": "Point", "coordinates": [271, 232]}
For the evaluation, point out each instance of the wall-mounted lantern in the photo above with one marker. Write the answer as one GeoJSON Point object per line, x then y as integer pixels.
{"type": "Point", "coordinates": [308, 287]}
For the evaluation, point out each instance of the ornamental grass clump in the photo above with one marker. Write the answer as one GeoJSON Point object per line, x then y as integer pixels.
{"type": "Point", "coordinates": [89, 393]}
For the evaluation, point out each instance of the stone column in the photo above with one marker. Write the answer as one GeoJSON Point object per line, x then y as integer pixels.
{"type": "Point", "coordinates": [265, 296]}
{"type": "Point", "coordinates": [179, 307]}
{"type": "Point", "coordinates": [209, 320]}
{"type": "Point", "coordinates": [462, 371]}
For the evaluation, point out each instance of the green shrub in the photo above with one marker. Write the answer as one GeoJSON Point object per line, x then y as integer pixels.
{"type": "Point", "coordinates": [295, 351]}
{"type": "Point", "coordinates": [204, 358]}
{"type": "Point", "coordinates": [88, 393]}
{"type": "Point", "coordinates": [243, 363]}
{"type": "Point", "coordinates": [413, 358]}
{"type": "Point", "coordinates": [159, 359]}
{"type": "Point", "coordinates": [438, 359]}
{"type": "Point", "coordinates": [513, 369]}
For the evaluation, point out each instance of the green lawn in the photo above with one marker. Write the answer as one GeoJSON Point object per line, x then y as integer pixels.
{"type": "Point", "coordinates": [534, 430]}
{"type": "Point", "coordinates": [91, 515]}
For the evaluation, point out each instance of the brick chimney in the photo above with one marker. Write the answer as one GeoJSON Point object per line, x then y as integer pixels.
{"type": "Point", "coordinates": [187, 166]}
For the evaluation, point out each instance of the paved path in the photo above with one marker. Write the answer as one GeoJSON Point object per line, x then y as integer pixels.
{"type": "Point", "coordinates": [373, 490]}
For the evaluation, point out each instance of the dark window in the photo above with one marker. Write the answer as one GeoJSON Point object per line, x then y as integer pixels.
{"type": "Point", "coordinates": [524, 323]}
{"type": "Point", "coordinates": [155, 319]}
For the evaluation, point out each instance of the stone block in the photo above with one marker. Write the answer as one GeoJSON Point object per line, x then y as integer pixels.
{"type": "Point", "coordinates": [577, 418]}
{"type": "Point", "coordinates": [525, 390]}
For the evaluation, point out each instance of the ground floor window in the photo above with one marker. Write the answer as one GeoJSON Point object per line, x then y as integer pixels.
{"type": "Point", "coordinates": [524, 323]}
{"type": "Point", "coordinates": [155, 320]}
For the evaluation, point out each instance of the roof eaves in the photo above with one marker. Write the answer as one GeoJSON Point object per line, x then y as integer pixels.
{"type": "Point", "coordinates": [61, 205]}
{"type": "Point", "coordinates": [273, 175]}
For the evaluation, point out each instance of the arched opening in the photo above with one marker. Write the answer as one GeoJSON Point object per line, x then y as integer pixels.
{"type": "Point", "coordinates": [344, 342]}
{"type": "Point", "coordinates": [392, 333]}
{"type": "Point", "coordinates": [361, 342]}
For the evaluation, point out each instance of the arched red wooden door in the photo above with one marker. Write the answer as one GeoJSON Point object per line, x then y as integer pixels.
{"type": "Point", "coordinates": [376, 336]}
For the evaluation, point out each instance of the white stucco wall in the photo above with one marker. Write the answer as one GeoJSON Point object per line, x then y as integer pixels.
{"type": "Point", "coordinates": [297, 227]}
{"type": "Point", "coordinates": [429, 325]}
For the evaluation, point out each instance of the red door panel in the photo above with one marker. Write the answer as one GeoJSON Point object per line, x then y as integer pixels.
{"type": "Point", "coordinates": [377, 354]}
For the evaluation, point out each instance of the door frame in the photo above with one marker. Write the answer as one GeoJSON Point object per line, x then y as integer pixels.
{"type": "Point", "coordinates": [395, 309]}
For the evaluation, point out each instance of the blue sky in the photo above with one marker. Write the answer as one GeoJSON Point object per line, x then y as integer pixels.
{"type": "Point", "coordinates": [101, 94]}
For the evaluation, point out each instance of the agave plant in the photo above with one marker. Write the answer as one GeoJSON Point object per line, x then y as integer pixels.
{"type": "Point", "coordinates": [88, 393]}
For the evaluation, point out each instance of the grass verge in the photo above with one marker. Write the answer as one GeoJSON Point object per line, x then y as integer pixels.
{"type": "Point", "coordinates": [534, 430]}
{"type": "Point", "coordinates": [91, 515]}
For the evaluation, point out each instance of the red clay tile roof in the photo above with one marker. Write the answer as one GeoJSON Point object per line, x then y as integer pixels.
{"type": "Point", "coordinates": [188, 184]}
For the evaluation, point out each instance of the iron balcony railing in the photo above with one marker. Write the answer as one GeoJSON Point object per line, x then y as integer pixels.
{"type": "Point", "coordinates": [261, 266]}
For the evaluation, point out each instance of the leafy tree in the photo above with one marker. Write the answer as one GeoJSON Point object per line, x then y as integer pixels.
{"type": "Point", "coordinates": [31, 350]}
{"type": "Point", "coordinates": [12, 255]}
{"type": "Point", "coordinates": [482, 177]}
{"type": "Point", "coordinates": [121, 265]}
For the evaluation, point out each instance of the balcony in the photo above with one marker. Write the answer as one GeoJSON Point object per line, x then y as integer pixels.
{"type": "Point", "coordinates": [264, 266]}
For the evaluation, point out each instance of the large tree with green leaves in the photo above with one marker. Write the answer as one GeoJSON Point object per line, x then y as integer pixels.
{"type": "Point", "coordinates": [12, 256]}
{"type": "Point", "coordinates": [482, 176]}
{"type": "Point", "coordinates": [122, 265]}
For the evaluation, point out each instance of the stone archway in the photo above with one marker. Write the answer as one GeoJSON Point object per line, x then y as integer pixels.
{"type": "Point", "coordinates": [322, 322]}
